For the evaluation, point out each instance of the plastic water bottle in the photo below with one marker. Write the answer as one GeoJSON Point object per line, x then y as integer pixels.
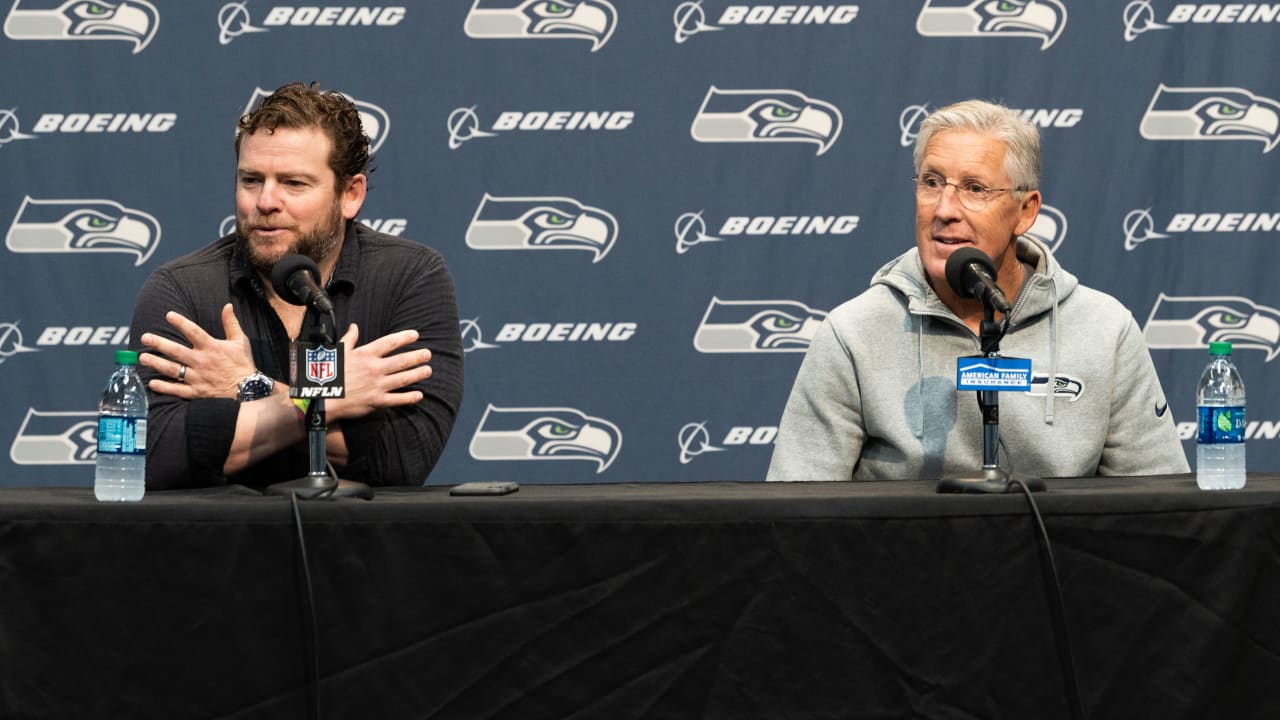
{"type": "Point", "coordinates": [122, 434]}
{"type": "Point", "coordinates": [1220, 440]}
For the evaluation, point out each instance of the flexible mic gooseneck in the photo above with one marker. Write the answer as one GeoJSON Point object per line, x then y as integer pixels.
{"type": "Point", "coordinates": [296, 279]}
{"type": "Point", "coordinates": [971, 274]}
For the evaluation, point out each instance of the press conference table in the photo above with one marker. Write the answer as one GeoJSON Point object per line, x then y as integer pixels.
{"type": "Point", "coordinates": [706, 600]}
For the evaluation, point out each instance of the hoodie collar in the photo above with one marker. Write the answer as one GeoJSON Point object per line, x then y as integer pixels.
{"type": "Point", "coordinates": [905, 274]}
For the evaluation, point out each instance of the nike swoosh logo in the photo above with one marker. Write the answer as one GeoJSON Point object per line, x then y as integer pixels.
{"type": "Point", "coordinates": [1161, 408]}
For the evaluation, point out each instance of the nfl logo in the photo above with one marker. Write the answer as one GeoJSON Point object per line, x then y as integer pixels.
{"type": "Point", "coordinates": [322, 364]}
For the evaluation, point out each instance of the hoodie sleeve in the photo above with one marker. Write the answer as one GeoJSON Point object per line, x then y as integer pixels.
{"type": "Point", "coordinates": [1141, 438]}
{"type": "Point", "coordinates": [821, 433]}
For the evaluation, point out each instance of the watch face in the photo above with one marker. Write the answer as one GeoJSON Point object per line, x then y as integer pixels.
{"type": "Point", "coordinates": [255, 387]}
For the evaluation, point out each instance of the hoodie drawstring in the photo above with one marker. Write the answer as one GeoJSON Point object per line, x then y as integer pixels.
{"type": "Point", "coordinates": [1053, 352]}
{"type": "Point", "coordinates": [920, 373]}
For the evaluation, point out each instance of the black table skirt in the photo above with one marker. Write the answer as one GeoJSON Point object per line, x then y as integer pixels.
{"type": "Point", "coordinates": [708, 600]}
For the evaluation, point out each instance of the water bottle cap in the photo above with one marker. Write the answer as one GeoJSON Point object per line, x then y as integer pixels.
{"type": "Point", "coordinates": [1219, 348]}
{"type": "Point", "coordinates": [126, 357]}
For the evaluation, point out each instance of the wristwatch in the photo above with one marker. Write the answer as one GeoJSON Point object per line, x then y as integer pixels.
{"type": "Point", "coordinates": [255, 387]}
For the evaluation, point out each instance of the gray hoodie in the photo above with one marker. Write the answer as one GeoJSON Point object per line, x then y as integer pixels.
{"type": "Point", "coordinates": [876, 398]}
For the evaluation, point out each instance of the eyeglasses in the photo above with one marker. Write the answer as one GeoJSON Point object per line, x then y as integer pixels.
{"type": "Point", "coordinates": [971, 193]}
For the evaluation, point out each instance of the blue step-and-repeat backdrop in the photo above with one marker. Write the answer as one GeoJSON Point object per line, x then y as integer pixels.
{"type": "Point", "coordinates": [708, 179]}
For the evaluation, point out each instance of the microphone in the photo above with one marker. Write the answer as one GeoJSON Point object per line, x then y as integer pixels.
{"type": "Point", "coordinates": [971, 274]}
{"type": "Point", "coordinates": [296, 279]}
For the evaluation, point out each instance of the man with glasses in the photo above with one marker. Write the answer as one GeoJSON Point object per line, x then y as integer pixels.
{"type": "Point", "coordinates": [876, 398]}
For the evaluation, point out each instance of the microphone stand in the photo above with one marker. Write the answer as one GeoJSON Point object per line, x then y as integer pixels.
{"type": "Point", "coordinates": [318, 483]}
{"type": "Point", "coordinates": [991, 479]}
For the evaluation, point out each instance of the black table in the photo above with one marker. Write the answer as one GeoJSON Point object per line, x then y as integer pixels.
{"type": "Point", "coordinates": [710, 600]}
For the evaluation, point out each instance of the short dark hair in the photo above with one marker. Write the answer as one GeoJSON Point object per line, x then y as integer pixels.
{"type": "Point", "coordinates": [301, 106]}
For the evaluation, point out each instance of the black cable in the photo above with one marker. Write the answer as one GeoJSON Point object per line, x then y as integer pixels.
{"type": "Point", "coordinates": [313, 646]}
{"type": "Point", "coordinates": [1053, 587]}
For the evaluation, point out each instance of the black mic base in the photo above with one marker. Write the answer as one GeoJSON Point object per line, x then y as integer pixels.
{"type": "Point", "coordinates": [322, 486]}
{"type": "Point", "coordinates": [992, 480]}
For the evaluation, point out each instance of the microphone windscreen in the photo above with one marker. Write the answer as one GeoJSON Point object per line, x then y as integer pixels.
{"type": "Point", "coordinates": [284, 269]}
{"type": "Point", "coordinates": [957, 268]}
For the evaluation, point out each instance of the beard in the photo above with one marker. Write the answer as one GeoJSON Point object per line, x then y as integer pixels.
{"type": "Point", "coordinates": [317, 243]}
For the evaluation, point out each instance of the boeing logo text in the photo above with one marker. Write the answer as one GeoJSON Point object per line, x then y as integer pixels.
{"type": "Point", "coordinates": [235, 20]}
{"type": "Point", "coordinates": [1139, 226]}
{"type": "Point", "coordinates": [690, 19]}
{"type": "Point", "coordinates": [1140, 16]}
{"type": "Point", "coordinates": [464, 123]}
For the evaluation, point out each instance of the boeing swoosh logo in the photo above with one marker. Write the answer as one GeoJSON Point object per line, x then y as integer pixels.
{"type": "Point", "coordinates": [1161, 409]}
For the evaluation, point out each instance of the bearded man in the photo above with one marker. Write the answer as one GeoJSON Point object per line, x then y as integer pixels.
{"type": "Point", "coordinates": [217, 335]}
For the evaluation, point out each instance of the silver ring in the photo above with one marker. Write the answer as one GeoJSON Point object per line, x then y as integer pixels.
{"type": "Point", "coordinates": [182, 374]}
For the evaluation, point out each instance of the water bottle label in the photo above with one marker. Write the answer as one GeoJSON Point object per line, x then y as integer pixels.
{"type": "Point", "coordinates": [122, 435]}
{"type": "Point", "coordinates": [1221, 425]}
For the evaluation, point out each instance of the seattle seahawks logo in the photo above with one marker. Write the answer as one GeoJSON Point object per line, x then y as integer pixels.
{"type": "Point", "coordinates": [756, 326]}
{"type": "Point", "coordinates": [541, 223]}
{"type": "Point", "coordinates": [760, 116]}
{"type": "Point", "coordinates": [592, 20]}
{"type": "Point", "coordinates": [134, 21]}
{"type": "Point", "coordinates": [1194, 322]}
{"type": "Point", "coordinates": [545, 433]}
{"type": "Point", "coordinates": [56, 438]}
{"type": "Point", "coordinates": [373, 120]}
{"type": "Point", "coordinates": [1063, 386]}
{"type": "Point", "coordinates": [1211, 113]}
{"type": "Point", "coordinates": [1049, 228]}
{"type": "Point", "coordinates": [1043, 19]}
{"type": "Point", "coordinates": [82, 226]}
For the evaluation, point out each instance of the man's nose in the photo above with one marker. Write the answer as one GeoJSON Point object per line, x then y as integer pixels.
{"type": "Point", "coordinates": [268, 197]}
{"type": "Point", "coordinates": [948, 202]}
